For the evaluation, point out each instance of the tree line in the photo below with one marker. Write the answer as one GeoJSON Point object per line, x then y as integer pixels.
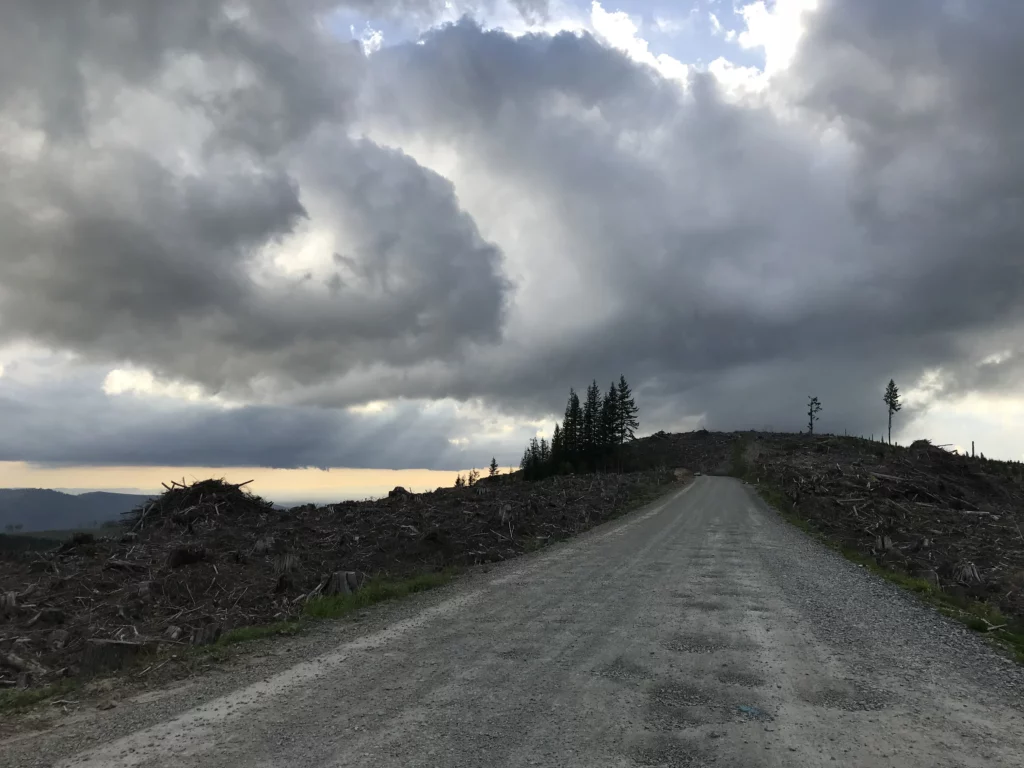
{"type": "Point", "coordinates": [588, 434]}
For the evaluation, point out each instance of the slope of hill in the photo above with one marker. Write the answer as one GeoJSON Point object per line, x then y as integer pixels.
{"type": "Point", "coordinates": [40, 509]}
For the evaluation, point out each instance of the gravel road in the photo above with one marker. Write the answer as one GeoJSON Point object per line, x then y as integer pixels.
{"type": "Point", "coordinates": [701, 630]}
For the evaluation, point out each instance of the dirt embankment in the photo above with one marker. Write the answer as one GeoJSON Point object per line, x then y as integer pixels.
{"type": "Point", "coordinates": [209, 557]}
{"type": "Point", "coordinates": [955, 521]}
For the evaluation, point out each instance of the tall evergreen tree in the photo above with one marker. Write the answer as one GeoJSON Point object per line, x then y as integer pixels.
{"type": "Point", "coordinates": [545, 452]}
{"type": "Point", "coordinates": [571, 427]}
{"type": "Point", "coordinates": [626, 412]}
{"type": "Point", "coordinates": [557, 449]}
{"type": "Point", "coordinates": [609, 432]}
{"type": "Point", "coordinates": [892, 399]}
{"type": "Point", "coordinates": [492, 470]}
{"type": "Point", "coordinates": [591, 418]}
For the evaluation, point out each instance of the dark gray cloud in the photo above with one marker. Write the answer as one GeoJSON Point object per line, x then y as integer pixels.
{"type": "Point", "coordinates": [741, 258]}
{"type": "Point", "coordinates": [148, 184]}
{"type": "Point", "coordinates": [70, 421]}
{"type": "Point", "coordinates": [497, 217]}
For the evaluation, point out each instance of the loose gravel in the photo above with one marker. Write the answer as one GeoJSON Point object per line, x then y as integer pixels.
{"type": "Point", "coordinates": [703, 630]}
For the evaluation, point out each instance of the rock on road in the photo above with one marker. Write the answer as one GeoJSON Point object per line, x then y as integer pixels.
{"type": "Point", "coordinates": [701, 630]}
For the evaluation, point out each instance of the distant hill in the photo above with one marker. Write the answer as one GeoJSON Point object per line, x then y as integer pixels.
{"type": "Point", "coordinates": [40, 509]}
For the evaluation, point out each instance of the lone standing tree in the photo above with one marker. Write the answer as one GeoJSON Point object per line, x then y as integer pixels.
{"type": "Point", "coordinates": [493, 469]}
{"type": "Point", "coordinates": [892, 399]}
{"type": "Point", "coordinates": [813, 407]}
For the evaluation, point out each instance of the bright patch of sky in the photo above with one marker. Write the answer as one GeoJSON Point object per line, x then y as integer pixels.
{"type": "Point", "coordinates": [693, 33]}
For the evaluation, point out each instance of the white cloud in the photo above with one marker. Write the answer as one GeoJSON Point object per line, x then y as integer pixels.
{"type": "Point", "coordinates": [372, 40]}
{"type": "Point", "coordinates": [738, 82]}
{"type": "Point", "coordinates": [619, 31]}
{"type": "Point", "coordinates": [374, 406]}
{"type": "Point", "coordinates": [777, 30]}
{"type": "Point", "coordinates": [141, 382]}
{"type": "Point", "coordinates": [674, 25]}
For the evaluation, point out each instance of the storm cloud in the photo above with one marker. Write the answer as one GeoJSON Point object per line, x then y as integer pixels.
{"type": "Point", "coordinates": [248, 203]}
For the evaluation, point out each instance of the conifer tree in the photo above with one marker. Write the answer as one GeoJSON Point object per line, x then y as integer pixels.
{"type": "Point", "coordinates": [591, 418]}
{"type": "Point", "coordinates": [557, 449]}
{"type": "Point", "coordinates": [609, 432]}
{"type": "Point", "coordinates": [813, 407]}
{"type": "Point", "coordinates": [626, 412]}
{"type": "Point", "coordinates": [892, 400]}
{"type": "Point", "coordinates": [572, 427]}
{"type": "Point", "coordinates": [492, 470]}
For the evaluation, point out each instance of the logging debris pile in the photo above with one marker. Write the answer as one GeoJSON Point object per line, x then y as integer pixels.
{"type": "Point", "coordinates": [953, 520]}
{"type": "Point", "coordinates": [206, 557]}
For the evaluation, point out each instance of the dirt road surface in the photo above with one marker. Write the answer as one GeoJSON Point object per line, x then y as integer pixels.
{"type": "Point", "coordinates": [701, 630]}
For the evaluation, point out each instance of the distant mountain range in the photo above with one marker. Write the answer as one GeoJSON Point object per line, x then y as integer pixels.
{"type": "Point", "coordinates": [40, 509]}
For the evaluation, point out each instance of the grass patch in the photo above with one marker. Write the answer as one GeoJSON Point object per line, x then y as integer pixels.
{"type": "Point", "coordinates": [375, 591]}
{"type": "Point", "coordinates": [258, 632]}
{"type": "Point", "coordinates": [980, 617]}
{"type": "Point", "coordinates": [16, 701]}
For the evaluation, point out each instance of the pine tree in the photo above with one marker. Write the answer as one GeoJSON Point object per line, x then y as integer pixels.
{"type": "Point", "coordinates": [532, 463]}
{"type": "Point", "coordinates": [813, 407]}
{"type": "Point", "coordinates": [626, 412]}
{"type": "Point", "coordinates": [557, 449]}
{"type": "Point", "coordinates": [577, 427]}
{"type": "Point", "coordinates": [459, 482]}
{"type": "Point", "coordinates": [571, 427]}
{"type": "Point", "coordinates": [591, 418]}
{"type": "Point", "coordinates": [892, 399]}
{"type": "Point", "coordinates": [609, 432]}
{"type": "Point", "coordinates": [545, 452]}
{"type": "Point", "coordinates": [473, 477]}
{"type": "Point", "coordinates": [492, 470]}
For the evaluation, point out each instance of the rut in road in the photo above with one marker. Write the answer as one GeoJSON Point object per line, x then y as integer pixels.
{"type": "Point", "coordinates": [700, 631]}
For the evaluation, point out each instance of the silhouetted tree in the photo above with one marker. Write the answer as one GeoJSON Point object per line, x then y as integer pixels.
{"type": "Point", "coordinates": [813, 408]}
{"type": "Point", "coordinates": [892, 400]}
{"type": "Point", "coordinates": [492, 470]}
{"type": "Point", "coordinates": [608, 433]}
{"type": "Point", "coordinates": [591, 419]}
{"type": "Point", "coordinates": [557, 448]}
{"type": "Point", "coordinates": [588, 434]}
{"type": "Point", "coordinates": [473, 477]}
{"type": "Point", "coordinates": [572, 427]}
{"type": "Point", "coordinates": [459, 482]}
{"type": "Point", "coordinates": [626, 412]}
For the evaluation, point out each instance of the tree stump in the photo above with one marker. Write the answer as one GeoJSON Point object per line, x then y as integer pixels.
{"type": "Point", "coordinates": [342, 583]}
{"type": "Point", "coordinates": [104, 655]}
{"type": "Point", "coordinates": [206, 634]}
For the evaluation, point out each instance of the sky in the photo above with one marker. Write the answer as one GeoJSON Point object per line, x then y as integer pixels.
{"type": "Point", "coordinates": [293, 237]}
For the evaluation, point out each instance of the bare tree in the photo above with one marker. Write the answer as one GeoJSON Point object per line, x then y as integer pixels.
{"type": "Point", "coordinates": [892, 399]}
{"type": "Point", "coordinates": [813, 408]}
